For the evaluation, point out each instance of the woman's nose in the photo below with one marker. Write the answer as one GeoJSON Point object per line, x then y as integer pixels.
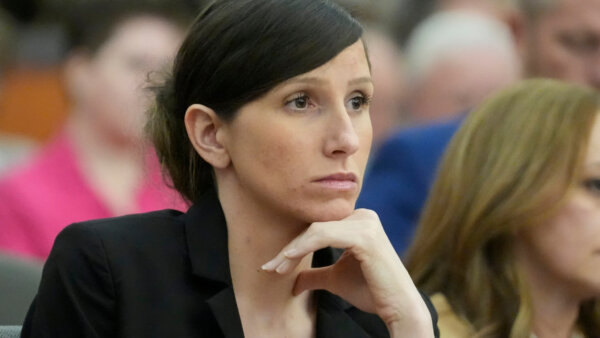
{"type": "Point", "coordinates": [342, 139]}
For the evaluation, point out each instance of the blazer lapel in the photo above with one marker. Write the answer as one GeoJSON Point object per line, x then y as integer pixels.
{"type": "Point", "coordinates": [225, 309]}
{"type": "Point", "coordinates": [206, 235]}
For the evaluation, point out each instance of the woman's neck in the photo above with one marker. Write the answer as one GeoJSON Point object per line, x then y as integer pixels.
{"type": "Point", "coordinates": [555, 306]}
{"type": "Point", "coordinates": [265, 300]}
{"type": "Point", "coordinates": [554, 315]}
{"type": "Point", "coordinates": [114, 171]}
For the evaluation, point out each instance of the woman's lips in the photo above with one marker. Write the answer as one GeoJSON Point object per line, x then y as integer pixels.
{"type": "Point", "coordinates": [340, 181]}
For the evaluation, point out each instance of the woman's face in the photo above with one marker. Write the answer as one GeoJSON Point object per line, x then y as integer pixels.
{"type": "Point", "coordinates": [566, 250]}
{"type": "Point", "coordinates": [300, 150]}
{"type": "Point", "coordinates": [116, 74]}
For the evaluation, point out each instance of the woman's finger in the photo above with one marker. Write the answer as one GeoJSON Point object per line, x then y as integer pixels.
{"type": "Point", "coordinates": [338, 234]}
{"type": "Point", "coordinates": [345, 234]}
{"type": "Point", "coordinates": [313, 239]}
{"type": "Point", "coordinates": [313, 279]}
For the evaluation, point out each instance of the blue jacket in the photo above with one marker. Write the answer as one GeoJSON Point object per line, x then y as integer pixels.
{"type": "Point", "coordinates": [401, 173]}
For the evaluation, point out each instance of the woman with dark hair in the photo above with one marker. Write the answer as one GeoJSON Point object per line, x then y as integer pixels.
{"type": "Point", "coordinates": [264, 128]}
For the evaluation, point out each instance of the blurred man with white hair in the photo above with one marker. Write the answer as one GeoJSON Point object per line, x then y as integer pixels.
{"type": "Point", "coordinates": [454, 60]}
{"type": "Point", "coordinates": [555, 38]}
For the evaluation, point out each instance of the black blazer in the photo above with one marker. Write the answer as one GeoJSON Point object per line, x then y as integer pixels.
{"type": "Point", "coordinates": [160, 274]}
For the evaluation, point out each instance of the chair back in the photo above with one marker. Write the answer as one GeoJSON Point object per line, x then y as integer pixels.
{"type": "Point", "coordinates": [19, 280]}
{"type": "Point", "coordinates": [10, 331]}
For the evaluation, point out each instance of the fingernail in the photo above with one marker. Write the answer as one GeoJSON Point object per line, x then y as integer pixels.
{"type": "Point", "coordinates": [283, 267]}
{"type": "Point", "coordinates": [269, 266]}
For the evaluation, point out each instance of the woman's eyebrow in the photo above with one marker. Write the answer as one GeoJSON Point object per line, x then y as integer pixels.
{"type": "Point", "coordinates": [364, 79]}
{"type": "Point", "coordinates": [308, 79]}
{"type": "Point", "coordinates": [318, 80]}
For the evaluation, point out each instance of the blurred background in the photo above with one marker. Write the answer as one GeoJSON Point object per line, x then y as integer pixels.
{"type": "Point", "coordinates": [73, 94]}
{"type": "Point", "coordinates": [37, 37]}
{"type": "Point", "coordinates": [408, 64]}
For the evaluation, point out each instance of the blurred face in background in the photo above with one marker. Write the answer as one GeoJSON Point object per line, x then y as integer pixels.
{"type": "Point", "coordinates": [455, 59]}
{"type": "Point", "coordinates": [564, 42]}
{"type": "Point", "coordinates": [459, 82]}
{"type": "Point", "coordinates": [563, 254]}
{"type": "Point", "coordinates": [111, 83]}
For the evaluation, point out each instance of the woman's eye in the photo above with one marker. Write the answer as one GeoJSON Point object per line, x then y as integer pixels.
{"type": "Point", "coordinates": [592, 185]}
{"type": "Point", "coordinates": [300, 102]}
{"type": "Point", "coordinates": [358, 102]}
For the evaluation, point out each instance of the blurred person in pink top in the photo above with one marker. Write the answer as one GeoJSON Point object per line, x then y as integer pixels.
{"type": "Point", "coordinates": [99, 164]}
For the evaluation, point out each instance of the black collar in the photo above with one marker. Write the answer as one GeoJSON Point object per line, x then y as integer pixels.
{"type": "Point", "coordinates": [206, 233]}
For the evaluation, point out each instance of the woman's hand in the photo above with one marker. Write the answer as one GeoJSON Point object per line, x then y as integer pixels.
{"type": "Point", "coordinates": [369, 274]}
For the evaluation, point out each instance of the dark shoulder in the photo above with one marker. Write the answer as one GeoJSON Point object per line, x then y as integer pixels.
{"type": "Point", "coordinates": [131, 226]}
{"type": "Point", "coordinates": [150, 231]}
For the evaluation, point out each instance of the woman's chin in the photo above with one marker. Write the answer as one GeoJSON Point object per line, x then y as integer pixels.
{"type": "Point", "coordinates": [331, 213]}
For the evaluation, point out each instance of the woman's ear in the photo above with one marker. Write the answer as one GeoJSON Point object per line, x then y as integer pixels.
{"type": "Point", "coordinates": [203, 127]}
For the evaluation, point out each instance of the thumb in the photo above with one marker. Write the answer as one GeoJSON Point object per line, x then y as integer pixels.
{"type": "Point", "coordinates": [313, 279]}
